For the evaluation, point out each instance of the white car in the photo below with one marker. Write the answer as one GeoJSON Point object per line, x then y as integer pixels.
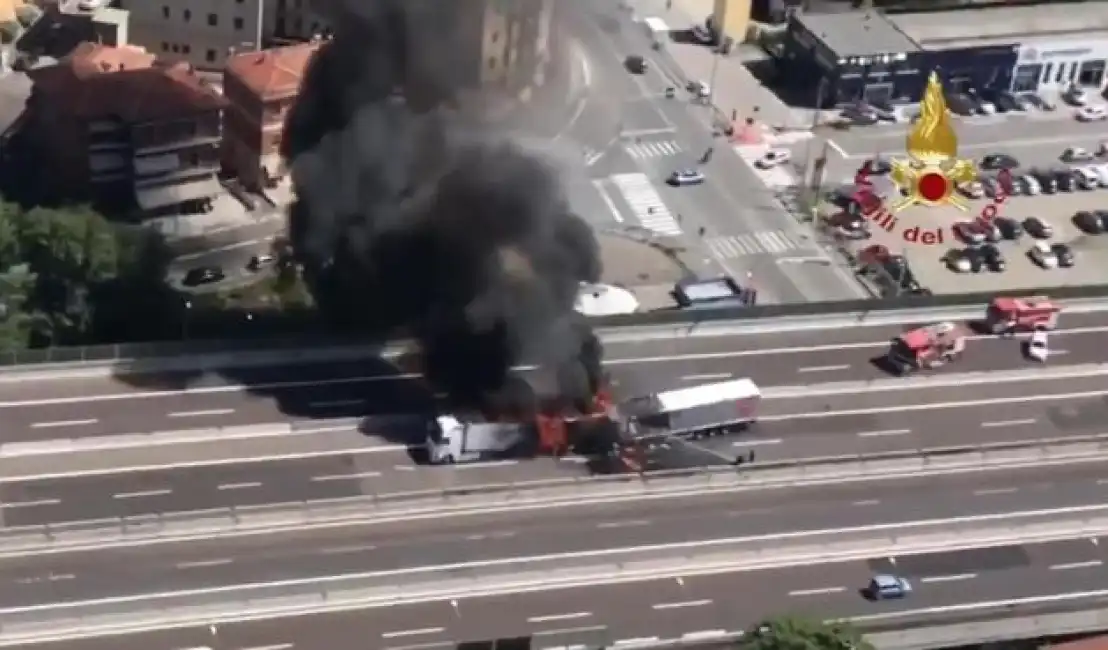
{"type": "Point", "coordinates": [700, 89]}
{"type": "Point", "coordinates": [1076, 96]}
{"type": "Point", "coordinates": [703, 35]}
{"type": "Point", "coordinates": [1091, 114]}
{"type": "Point", "coordinates": [89, 5]}
{"type": "Point", "coordinates": [1087, 178]}
{"type": "Point", "coordinates": [1038, 347]}
{"type": "Point", "coordinates": [682, 177]}
{"type": "Point", "coordinates": [1076, 154]}
{"type": "Point", "coordinates": [1042, 255]}
{"type": "Point", "coordinates": [957, 261]}
{"type": "Point", "coordinates": [1101, 172]}
{"type": "Point", "coordinates": [972, 190]}
{"type": "Point", "coordinates": [773, 158]}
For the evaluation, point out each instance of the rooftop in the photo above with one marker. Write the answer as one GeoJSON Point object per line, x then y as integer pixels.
{"type": "Point", "coordinates": [855, 34]}
{"type": "Point", "coordinates": [97, 82]}
{"type": "Point", "coordinates": [1002, 25]}
{"type": "Point", "coordinates": [275, 73]}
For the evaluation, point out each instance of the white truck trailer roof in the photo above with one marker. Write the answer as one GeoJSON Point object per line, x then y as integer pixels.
{"type": "Point", "coordinates": [656, 25]}
{"type": "Point", "coordinates": [671, 401]}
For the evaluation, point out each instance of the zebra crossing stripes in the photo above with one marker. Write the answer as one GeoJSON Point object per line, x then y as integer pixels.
{"type": "Point", "coordinates": [639, 193]}
{"type": "Point", "coordinates": [652, 149]}
{"type": "Point", "coordinates": [755, 243]}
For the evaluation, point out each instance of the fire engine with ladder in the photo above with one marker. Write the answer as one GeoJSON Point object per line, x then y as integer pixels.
{"type": "Point", "coordinates": [1011, 315]}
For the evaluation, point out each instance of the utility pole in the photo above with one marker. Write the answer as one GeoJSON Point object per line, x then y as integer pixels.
{"type": "Point", "coordinates": [261, 26]}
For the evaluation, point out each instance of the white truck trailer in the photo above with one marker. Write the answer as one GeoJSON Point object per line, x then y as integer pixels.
{"type": "Point", "coordinates": [451, 440]}
{"type": "Point", "coordinates": [708, 409]}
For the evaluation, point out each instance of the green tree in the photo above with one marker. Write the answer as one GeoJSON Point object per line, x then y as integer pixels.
{"type": "Point", "coordinates": [799, 633]}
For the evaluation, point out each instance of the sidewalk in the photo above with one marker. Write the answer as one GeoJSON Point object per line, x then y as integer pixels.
{"type": "Point", "coordinates": [736, 92]}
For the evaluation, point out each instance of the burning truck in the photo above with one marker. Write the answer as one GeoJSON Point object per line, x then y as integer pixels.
{"type": "Point", "coordinates": [601, 427]}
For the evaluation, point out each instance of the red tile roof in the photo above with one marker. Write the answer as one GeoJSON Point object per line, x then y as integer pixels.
{"type": "Point", "coordinates": [275, 73]}
{"type": "Point", "coordinates": [97, 81]}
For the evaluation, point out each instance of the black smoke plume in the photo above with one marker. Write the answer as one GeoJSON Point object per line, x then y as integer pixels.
{"type": "Point", "coordinates": [410, 218]}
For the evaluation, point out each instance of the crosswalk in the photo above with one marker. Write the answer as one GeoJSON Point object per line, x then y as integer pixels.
{"type": "Point", "coordinates": [755, 243]}
{"type": "Point", "coordinates": [652, 149]}
{"type": "Point", "coordinates": [639, 193]}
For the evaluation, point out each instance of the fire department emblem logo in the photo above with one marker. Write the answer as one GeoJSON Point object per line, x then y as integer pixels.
{"type": "Point", "coordinates": [932, 172]}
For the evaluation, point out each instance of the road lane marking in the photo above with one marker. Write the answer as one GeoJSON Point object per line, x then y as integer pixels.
{"type": "Point", "coordinates": [337, 403]}
{"type": "Point", "coordinates": [354, 548]}
{"type": "Point", "coordinates": [240, 486]}
{"type": "Point", "coordinates": [31, 504]}
{"type": "Point", "coordinates": [1009, 423]}
{"type": "Point", "coordinates": [424, 646]}
{"type": "Point", "coordinates": [951, 578]}
{"type": "Point", "coordinates": [486, 464]}
{"type": "Point", "coordinates": [559, 617]}
{"type": "Point", "coordinates": [201, 414]}
{"type": "Point", "coordinates": [602, 190]}
{"type": "Point", "coordinates": [885, 433]}
{"type": "Point", "coordinates": [756, 442]}
{"type": "Point", "coordinates": [982, 493]}
{"type": "Point", "coordinates": [817, 592]}
{"type": "Point", "coordinates": [504, 534]}
{"type": "Point", "coordinates": [417, 632]}
{"type": "Point", "coordinates": [682, 605]}
{"type": "Point", "coordinates": [633, 523]}
{"type": "Point", "coordinates": [1076, 565]}
{"type": "Point", "coordinates": [200, 564]}
{"type": "Point", "coordinates": [571, 630]}
{"type": "Point", "coordinates": [710, 376]}
{"type": "Point", "coordinates": [867, 502]}
{"type": "Point", "coordinates": [63, 423]}
{"type": "Point", "coordinates": [899, 408]}
{"type": "Point", "coordinates": [345, 477]}
{"type": "Point", "coordinates": [139, 495]}
{"type": "Point", "coordinates": [278, 646]}
{"type": "Point", "coordinates": [824, 368]}
{"type": "Point", "coordinates": [53, 577]}
{"type": "Point", "coordinates": [638, 640]}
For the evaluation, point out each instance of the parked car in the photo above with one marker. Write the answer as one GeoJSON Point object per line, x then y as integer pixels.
{"type": "Point", "coordinates": [1040, 102]}
{"type": "Point", "coordinates": [960, 260]}
{"type": "Point", "coordinates": [972, 189]}
{"type": "Point", "coordinates": [1076, 154]}
{"type": "Point", "coordinates": [997, 161]}
{"type": "Point", "coordinates": [1064, 254]}
{"type": "Point", "coordinates": [1042, 255]}
{"type": "Point", "coordinates": [1076, 96]}
{"type": "Point", "coordinates": [1086, 178]}
{"type": "Point", "coordinates": [969, 232]}
{"type": "Point", "coordinates": [1091, 114]}
{"type": "Point", "coordinates": [1009, 228]}
{"type": "Point", "coordinates": [1102, 215]}
{"type": "Point", "coordinates": [961, 104]}
{"type": "Point", "coordinates": [1038, 228]}
{"type": "Point", "coordinates": [203, 275]}
{"type": "Point", "coordinates": [1063, 180]}
{"type": "Point", "coordinates": [984, 106]}
{"type": "Point", "coordinates": [1046, 181]}
{"type": "Point", "coordinates": [993, 258]}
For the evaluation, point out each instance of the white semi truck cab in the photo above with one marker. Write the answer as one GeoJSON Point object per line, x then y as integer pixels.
{"type": "Point", "coordinates": [453, 440]}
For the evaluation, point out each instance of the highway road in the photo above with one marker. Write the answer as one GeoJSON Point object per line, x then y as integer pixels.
{"type": "Point", "coordinates": [845, 420]}
{"type": "Point", "coordinates": [569, 531]}
{"type": "Point", "coordinates": [662, 608]}
{"type": "Point", "coordinates": [82, 408]}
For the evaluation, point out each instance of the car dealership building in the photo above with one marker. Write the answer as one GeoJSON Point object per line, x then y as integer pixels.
{"type": "Point", "coordinates": [872, 56]}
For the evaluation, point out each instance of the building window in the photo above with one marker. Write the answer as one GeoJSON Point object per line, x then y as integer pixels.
{"type": "Point", "coordinates": [165, 47]}
{"type": "Point", "coordinates": [1027, 78]}
{"type": "Point", "coordinates": [1046, 73]}
{"type": "Point", "coordinates": [186, 48]}
{"type": "Point", "coordinates": [213, 20]}
{"type": "Point", "coordinates": [210, 56]}
{"type": "Point", "coordinates": [1092, 73]}
{"type": "Point", "coordinates": [238, 23]}
{"type": "Point", "coordinates": [165, 12]}
{"type": "Point", "coordinates": [188, 15]}
{"type": "Point", "coordinates": [1061, 74]}
{"type": "Point", "coordinates": [492, 63]}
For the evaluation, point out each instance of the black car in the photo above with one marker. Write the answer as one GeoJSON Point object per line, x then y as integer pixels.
{"type": "Point", "coordinates": [974, 256]}
{"type": "Point", "coordinates": [635, 64]}
{"type": "Point", "coordinates": [993, 258]}
{"type": "Point", "coordinates": [1064, 254]}
{"type": "Point", "coordinates": [1102, 215]}
{"type": "Point", "coordinates": [860, 114]}
{"type": "Point", "coordinates": [1038, 228]}
{"type": "Point", "coordinates": [1009, 228]}
{"type": "Point", "coordinates": [1010, 101]}
{"type": "Point", "coordinates": [997, 161]}
{"type": "Point", "coordinates": [1046, 181]}
{"type": "Point", "coordinates": [203, 275]}
{"type": "Point", "coordinates": [883, 110]}
{"type": "Point", "coordinates": [1064, 180]}
{"type": "Point", "coordinates": [960, 104]}
{"type": "Point", "coordinates": [1088, 222]}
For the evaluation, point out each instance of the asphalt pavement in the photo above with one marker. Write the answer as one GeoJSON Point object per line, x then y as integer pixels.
{"type": "Point", "coordinates": [605, 614]}
{"type": "Point", "coordinates": [567, 535]}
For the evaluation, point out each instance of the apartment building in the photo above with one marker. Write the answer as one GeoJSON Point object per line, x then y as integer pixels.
{"type": "Point", "coordinates": [260, 88]}
{"type": "Point", "coordinates": [114, 125]}
{"type": "Point", "coordinates": [516, 43]}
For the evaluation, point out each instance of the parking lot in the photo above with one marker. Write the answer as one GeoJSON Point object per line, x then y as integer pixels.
{"type": "Point", "coordinates": [1037, 140]}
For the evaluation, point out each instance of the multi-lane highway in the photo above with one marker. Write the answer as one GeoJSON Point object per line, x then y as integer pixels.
{"type": "Point", "coordinates": [665, 608]}
{"type": "Point", "coordinates": [569, 535]}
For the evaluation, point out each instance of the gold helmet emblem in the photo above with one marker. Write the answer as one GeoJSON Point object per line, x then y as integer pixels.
{"type": "Point", "coordinates": [932, 171]}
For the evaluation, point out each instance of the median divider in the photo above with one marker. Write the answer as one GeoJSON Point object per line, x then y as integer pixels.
{"type": "Point", "coordinates": [505, 576]}
{"type": "Point", "coordinates": [241, 521]}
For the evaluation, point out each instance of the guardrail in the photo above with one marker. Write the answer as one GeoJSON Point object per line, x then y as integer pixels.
{"type": "Point", "coordinates": [567, 492]}
{"type": "Point", "coordinates": [135, 352]}
{"type": "Point", "coordinates": [539, 573]}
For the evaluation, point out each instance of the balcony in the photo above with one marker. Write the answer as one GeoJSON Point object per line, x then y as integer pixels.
{"type": "Point", "coordinates": [197, 140]}
{"type": "Point", "coordinates": [158, 169]}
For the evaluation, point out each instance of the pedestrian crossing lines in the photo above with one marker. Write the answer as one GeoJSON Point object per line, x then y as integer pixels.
{"type": "Point", "coordinates": [755, 243]}
{"type": "Point", "coordinates": [640, 195]}
{"type": "Point", "coordinates": [652, 149]}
